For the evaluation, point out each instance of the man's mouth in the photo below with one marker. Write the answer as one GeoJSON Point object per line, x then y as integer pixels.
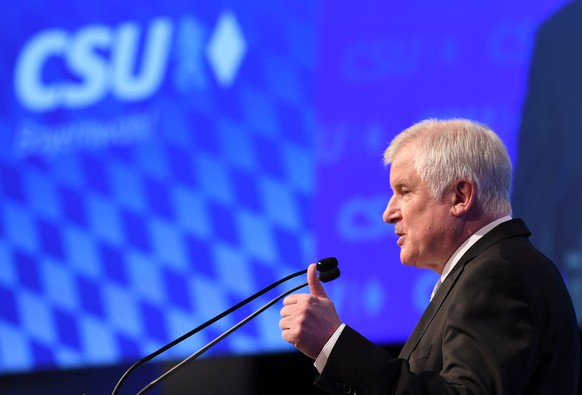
{"type": "Point", "coordinates": [400, 240]}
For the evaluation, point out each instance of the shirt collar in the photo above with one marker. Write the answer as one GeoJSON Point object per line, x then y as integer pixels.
{"type": "Point", "coordinates": [454, 259]}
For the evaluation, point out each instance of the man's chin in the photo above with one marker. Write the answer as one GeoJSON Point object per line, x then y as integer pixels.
{"type": "Point", "coordinates": [406, 261]}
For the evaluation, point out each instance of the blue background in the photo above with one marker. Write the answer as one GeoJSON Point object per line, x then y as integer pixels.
{"type": "Point", "coordinates": [126, 222]}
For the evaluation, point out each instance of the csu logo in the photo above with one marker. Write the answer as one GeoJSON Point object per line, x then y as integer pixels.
{"type": "Point", "coordinates": [61, 69]}
{"type": "Point", "coordinates": [92, 73]}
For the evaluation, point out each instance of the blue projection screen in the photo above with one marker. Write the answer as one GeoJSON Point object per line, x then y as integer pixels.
{"type": "Point", "coordinates": [160, 163]}
{"type": "Point", "coordinates": [156, 168]}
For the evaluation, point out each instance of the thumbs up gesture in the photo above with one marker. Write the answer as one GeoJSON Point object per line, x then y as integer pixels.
{"type": "Point", "coordinates": [309, 320]}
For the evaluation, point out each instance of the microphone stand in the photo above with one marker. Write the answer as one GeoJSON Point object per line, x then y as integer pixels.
{"type": "Point", "coordinates": [328, 271]}
{"type": "Point", "coordinates": [204, 325]}
{"type": "Point", "coordinates": [216, 340]}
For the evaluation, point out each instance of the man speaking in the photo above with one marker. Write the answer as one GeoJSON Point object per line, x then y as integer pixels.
{"type": "Point", "coordinates": [500, 320]}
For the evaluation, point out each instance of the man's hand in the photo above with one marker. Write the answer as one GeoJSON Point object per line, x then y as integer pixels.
{"type": "Point", "coordinates": [309, 320]}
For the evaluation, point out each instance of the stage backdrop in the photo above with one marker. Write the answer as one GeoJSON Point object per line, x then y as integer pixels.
{"type": "Point", "coordinates": [161, 162]}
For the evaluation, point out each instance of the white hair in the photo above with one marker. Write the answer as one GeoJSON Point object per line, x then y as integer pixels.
{"type": "Point", "coordinates": [459, 149]}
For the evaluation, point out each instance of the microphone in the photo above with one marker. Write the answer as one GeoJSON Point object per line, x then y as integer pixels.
{"type": "Point", "coordinates": [328, 271]}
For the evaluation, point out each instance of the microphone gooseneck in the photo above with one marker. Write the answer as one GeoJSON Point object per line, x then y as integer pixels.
{"type": "Point", "coordinates": [328, 271]}
{"type": "Point", "coordinates": [201, 351]}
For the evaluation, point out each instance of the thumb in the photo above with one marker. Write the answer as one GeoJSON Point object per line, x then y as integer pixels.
{"type": "Point", "coordinates": [315, 285]}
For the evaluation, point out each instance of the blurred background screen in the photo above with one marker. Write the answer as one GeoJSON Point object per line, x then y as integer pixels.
{"type": "Point", "coordinates": [162, 161]}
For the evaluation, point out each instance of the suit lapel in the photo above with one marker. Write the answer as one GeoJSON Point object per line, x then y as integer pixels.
{"type": "Point", "coordinates": [504, 230]}
{"type": "Point", "coordinates": [430, 312]}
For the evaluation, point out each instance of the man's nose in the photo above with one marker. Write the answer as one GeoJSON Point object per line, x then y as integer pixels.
{"type": "Point", "coordinates": [391, 213]}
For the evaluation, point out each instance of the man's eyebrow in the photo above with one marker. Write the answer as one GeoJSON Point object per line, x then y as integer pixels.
{"type": "Point", "coordinates": [399, 184]}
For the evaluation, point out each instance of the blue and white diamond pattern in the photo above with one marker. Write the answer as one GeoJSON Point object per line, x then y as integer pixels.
{"type": "Point", "coordinates": [107, 254]}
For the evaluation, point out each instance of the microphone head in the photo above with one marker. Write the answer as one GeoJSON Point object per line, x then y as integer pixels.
{"type": "Point", "coordinates": [326, 264]}
{"type": "Point", "coordinates": [329, 275]}
{"type": "Point", "coordinates": [328, 269]}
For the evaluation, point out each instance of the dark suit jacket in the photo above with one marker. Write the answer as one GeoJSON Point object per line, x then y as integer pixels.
{"type": "Point", "coordinates": [501, 323]}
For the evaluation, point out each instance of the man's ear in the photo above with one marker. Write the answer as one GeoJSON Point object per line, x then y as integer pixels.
{"type": "Point", "coordinates": [463, 197]}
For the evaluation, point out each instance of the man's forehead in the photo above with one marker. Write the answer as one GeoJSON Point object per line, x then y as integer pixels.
{"type": "Point", "coordinates": [404, 176]}
{"type": "Point", "coordinates": [402, 163]}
